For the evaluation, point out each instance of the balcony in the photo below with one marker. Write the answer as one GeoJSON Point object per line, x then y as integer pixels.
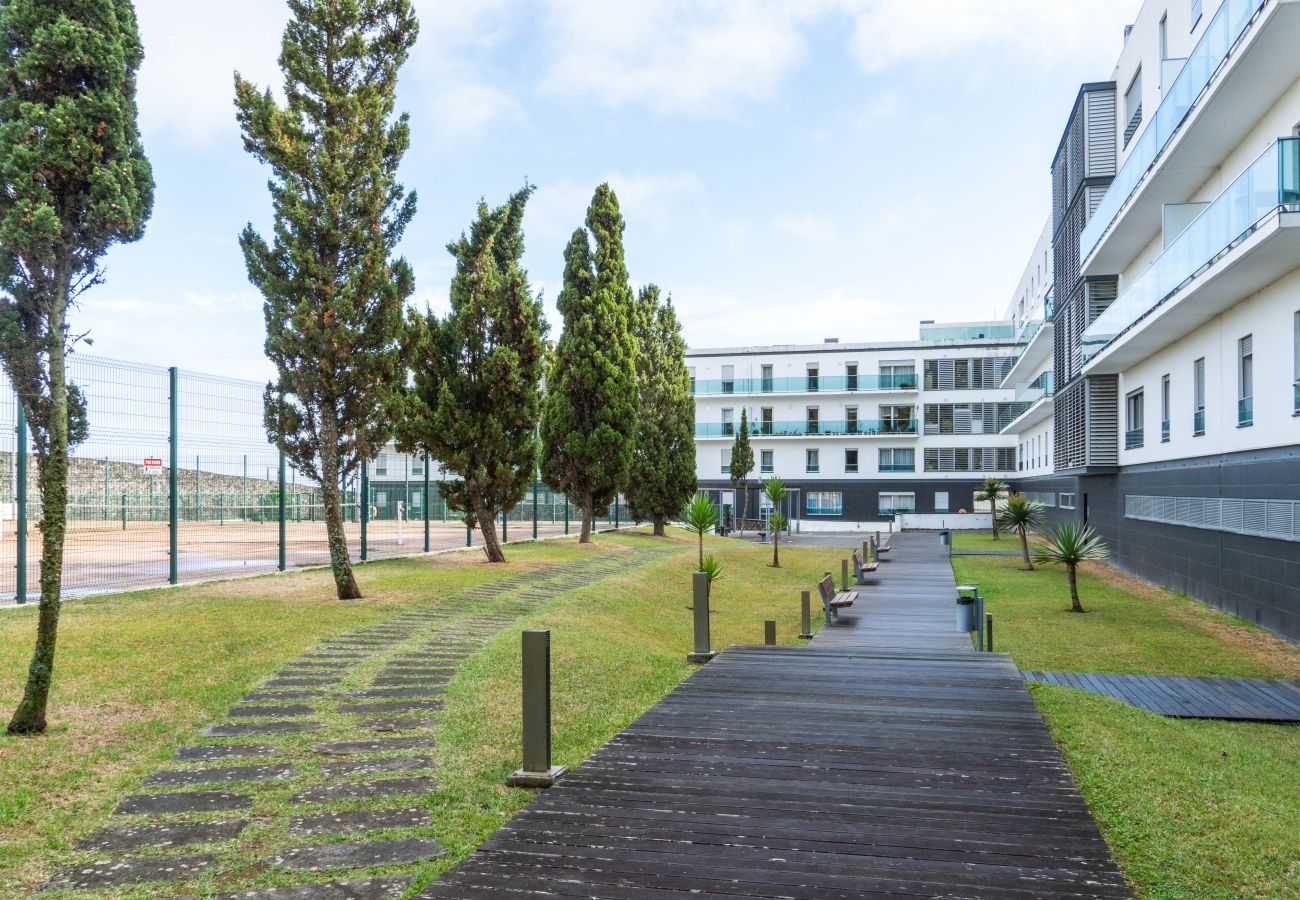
{"type": "Point", "coordinates": [1033, 348]}
{"type": "Point", "coordinates": [1246, 239]}
{"type": "Point", "coordinates": [1042, 386]}
{"type": "Point", "coordinates": [1242, 64]}
{"type": "Point", "coordinates": [803, 428]}
{"type": "Point", "coordinates": [803, 384]}
{"type": "Point", "coordinates": [1133, 439]}
{"type": "Point", "coordinates": [897, 467]}
{"type": "Point", "coordinates": [1245, 411]}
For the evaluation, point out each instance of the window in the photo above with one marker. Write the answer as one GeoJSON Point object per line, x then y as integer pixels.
{"type": "Point", "coordinates": [970, 459]}
{"type": "Point", "coordinates": [1198, 397]}
{"type": "Point", "coordinates": [1295, 364]}
{"type": "Point", "coordinates": [898, 377]}
{"type": "Point", "coordinates": [381, 465]}
{"type": "Point", "coordinates": [892, 504]}
{"type": "Point", "coordinates": [813, 375]}
{"type": "Point", "coordinates": [812, 461]}
{"type": "Point", "coordinates": [898, 419]}
{"type": "Point", "coordinates": [1133, 404]}
{"type": "Point", "coordinates": [1164, 409]}
{"type": "Point", "coordinates": [417, 500]}
{"type": "Point", "coordinates": [1164, 36]}
{"type": "Point", "coordinates": [1196, 13]}
{"type": "Point", "coordinates": [1245, 381]}
{"type": "Point", "coordinates": [417, 467]}
{"type": "Point", "coordinates": [897, 459]}
{"type": "Point", "coordinates": [941, 501]}
{"type": "Point", "coordinates": [765, 420]}
{"type": "Point", "coordinates": [381, 498]}
{"type": "Point", "coordinates": [850, 376]}
{"type": "Point", "coordinates": [825, 503]}
{"type": "Point", "coordinates": [766, 386]}
{"type": "Point", "coordinates": [1133, 106]}
{"type": "Point", "coordinates": [813, 421]}
{"type": "Point", "coordinates": [728, 421]}
{"type": "Point", "coordinates": [728, 379]}
{"type": "Point", "coordinates": [850, 420]}
{"type": "Point", "coordinates": [850, 459]}
{"type": "Point", "coordinates": [765, 461]}
{"type": "Point", "coordinates": [726, 461]}
{"type": "Point", "coordinates": [691, 371]}
{"type": "Point", "coordinates": [1065, 501]}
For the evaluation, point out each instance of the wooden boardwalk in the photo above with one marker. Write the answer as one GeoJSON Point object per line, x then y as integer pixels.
{"type": "Point", "coordinates": [886, 759]}
{"type": "Point", "coordinates": [1187, 697]}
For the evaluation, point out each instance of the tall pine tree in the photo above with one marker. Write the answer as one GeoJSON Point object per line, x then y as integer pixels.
{"type": "Point", "coordinates": [74, 180]}
{"type": "Point", "coordinates": [590, 415]}
{"type": "Point", "coordinates": [742, 464]}
{"type": "Point", "coordinates": [334, 292]}
{"type": "Point", "coordinates": [477, 374]}
{"type": "Point", "coordinates": [662, 479]}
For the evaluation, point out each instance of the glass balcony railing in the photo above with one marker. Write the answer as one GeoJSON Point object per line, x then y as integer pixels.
{"type": "Point", "coordinates": [871, 427]}
{"type": "Point", "coordinates": [1042, 386]}
{"type": "Point", "coordinates": [1270, 182]}
{"type": "Point", "coordinates": [1229, 23]}
{"type": "Point", "coordinates": [898, 467]}
{"type": "Point", "coordinates": [1133, 439]}
{"type": "Point", "coordinates": [803, 384]}
{"type": "Point", "coordinates": [1245, 410]}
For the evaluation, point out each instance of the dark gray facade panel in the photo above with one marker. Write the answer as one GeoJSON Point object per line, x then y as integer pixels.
{"type": "Point", "coordinates": [862, 496]}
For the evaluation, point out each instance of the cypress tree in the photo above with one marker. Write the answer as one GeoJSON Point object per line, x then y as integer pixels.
{"type": "Point", "coordinates": [590, 415]}
{"type": "Point", "coordinates": [663, 460]}
{"type": "Point", "coordinates": [74, 180]}
{"type": "Point", "coordinates": [477, 374]}
{"type": "Point", "coordinates": [742, 463]}
{"type": "Point", "coordinates": [334, 293]}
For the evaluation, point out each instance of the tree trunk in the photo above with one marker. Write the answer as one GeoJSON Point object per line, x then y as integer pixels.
{"type": "Point", "coordinates": [743, 503]}
{"type": "Point", "coordinates": [344, 582]}
{"type": "Point", "coordinates": [660, 521]}
{"type": "Point", "coordinates": [701, 551]}
{"type": "Point", "coordinates": [1075, 605]}
{"type": "Point", "coordinates": [586, 504]}
{"type": "Point", "coordinates": [1024, 549]}
{"type": "Point", "coordinates": [29, 717]}
{"type": "Point", "coordinates": [487, 526]}
{"type": "Point", "coordinates": [776, 549]}
{"type": "Point", "coordinates": [993, 508]}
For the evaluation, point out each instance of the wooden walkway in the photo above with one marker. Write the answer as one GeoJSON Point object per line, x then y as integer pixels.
{"type": "Point", "coordinates": [886, 759]}
{"type": "Point", "coordinates": [1186, 697]}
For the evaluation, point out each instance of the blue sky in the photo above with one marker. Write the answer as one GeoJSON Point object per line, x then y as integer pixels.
{"type": "Point", "coordinates": [788, 170]}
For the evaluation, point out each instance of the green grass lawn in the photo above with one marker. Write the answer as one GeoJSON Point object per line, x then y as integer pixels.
{"type": "Point", "coordinates": [139, 674]}
{"type": "Point", "coordinates": [1191, 808]}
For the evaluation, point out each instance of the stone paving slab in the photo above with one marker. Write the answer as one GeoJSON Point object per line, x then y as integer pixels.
{"type": "Point", "coordinates": [356, 854]}
{"type": "Point", "coordinates": [218, 775]}
{"type": "Point", "coordinates": [389, 888]}
{"type": "Point", "coordinates": [382, 708]}
{"type": "Point", "coordinates": [372, 745]}
{"type": "Point", "coordinates": [376, 766]}
{"type": "Point", "coordinates": [400, 723]}
{"type": "Point", "coordinates": [161, 834]}
{"type": "Point", "coordinates": [181, 802]}
{"type": "Point", "coordinates": [364, 790]}
{"type": "Point", "coordinates": [240, 729]}
{"type": "Point", "coordinates": [283, 682]}
{"type": "Point", "coordinates": [412, 681]}
{"type": "Point", "coordinates": [131, 870]}
{"type": "Point", "coordinates": [394, 692]}
{"type": "Point", "coordinates": [282, 711]}
{"type": "Point", "coordinates": [205, 752]}
{"type": "Point", "coordinates": [357, 822]}
{"type": "Point", "coordinates": [300, 694]}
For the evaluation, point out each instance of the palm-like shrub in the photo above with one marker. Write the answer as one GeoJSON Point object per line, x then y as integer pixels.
{"type": "Point", "coordinates": [1068, 545]}
{"type": "Point", "coordinates": [1022, 516]}
{"type": "Point", "coordinates": [774, 490]}
{"type": "Point", "coordinates": [700, 516]}
{"type": "Point", "coordinates": [990, 492]}
{"type": "Point", "coordinates": [712, 568]}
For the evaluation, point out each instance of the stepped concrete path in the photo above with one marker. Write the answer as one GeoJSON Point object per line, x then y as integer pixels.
{"type": "Point", "coordinates": [886, 759]}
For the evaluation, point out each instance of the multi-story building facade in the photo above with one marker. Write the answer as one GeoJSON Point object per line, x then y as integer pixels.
{"type": "Point", "coordinates": [860, 432]}
{"type": "Point", "coordinates": [1175, 320]}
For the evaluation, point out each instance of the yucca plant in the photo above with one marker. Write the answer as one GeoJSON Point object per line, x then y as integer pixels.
{"type": "Point", "coordinates": [774, 490]}
{"type": "Point", "coordinates": [699, 517]}
{"type": "Point", "coordinates": [712, 568]}
{"type": "Point", "coordinates": [990, 492]}
{"type": "Point", "coordinates": [1022, 516]}
{"type": "Point", "coordinates": [1068, 545]}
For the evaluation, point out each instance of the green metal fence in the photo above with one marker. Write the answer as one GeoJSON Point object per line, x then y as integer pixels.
{"type": "Point", "coordinates": [177, 482]}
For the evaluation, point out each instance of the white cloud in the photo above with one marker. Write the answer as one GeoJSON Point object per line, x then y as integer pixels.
{"type": "Point", "coordinates": [806, 227]}
{"type": "Point", "coordinates": [465, 110]}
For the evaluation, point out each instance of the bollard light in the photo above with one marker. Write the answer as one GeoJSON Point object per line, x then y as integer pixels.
{"type": "Point", "coordinates": [769, 632]}
{"type": "Point", "coordinates": [844, 575]}
{"type": "Point", "coordinates": [805, 615]}
{"type": "Point", "coordinates": [700, 602]}
{"type": "Point", "coordinates": [988, 627]}
{"type": "Point", "coordinates": [537, 771]}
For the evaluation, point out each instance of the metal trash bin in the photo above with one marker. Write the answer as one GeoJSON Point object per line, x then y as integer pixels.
{"type": "Point", "coordinates": [967, 620]}
{"type": "Point", "coordinates": [945, 538]}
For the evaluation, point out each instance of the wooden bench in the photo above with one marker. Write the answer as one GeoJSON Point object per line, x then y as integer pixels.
{"type": "Point", "coordinates": [860, 568]}
{"type": "Point", "coordinates": [879, 547]}
{"type": "Point", "coordinates": [834, 601]}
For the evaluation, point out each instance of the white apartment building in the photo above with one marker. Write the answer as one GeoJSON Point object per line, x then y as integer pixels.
{"type": "Point", "coordinates": [1175, 319]}
{"type": "Point", "coordinates": [860, 432]}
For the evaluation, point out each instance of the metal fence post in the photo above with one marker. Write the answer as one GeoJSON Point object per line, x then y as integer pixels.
{"type": "Point", "coordinates": [283, 561]}
{"type": "Point", "coordinates": [979, 616]}
{"type": "Point", "coordinates": [469, 536]}
{"type": "Point", "coordinates": [364, 505]}
{"type": "Point", "coordinates": [173, 500]}
{"type": "Point", "coordinates": [566, 513]}
{"type": "Point", "coordinates": [534, 509]}
{"type": "Point", "coordinates": [426, 502]}
{"type": "Point", "coordinates": [616, 511]}
{"type": "Point", "coordinates": [505, 527]}
{"type": "Point", "coordinates": [769, 632]}
{"type": "Point", "coordinates": [20, 575]}
{"type": "Point", "coordinates": [988, 625]}
{"type": "Point", "coordinates": [124, 512]}
{"type": "Point", "coordinates": [105, 488]}
{"type": "Point", "coordinates": [700, 604]}
{"type": "Point", "coordinates": [537, 770]}
{"type": "Point", "coordinates": [805, 615]}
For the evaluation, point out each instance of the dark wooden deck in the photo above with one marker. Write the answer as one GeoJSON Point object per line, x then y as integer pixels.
{"type": "Point", "coordinates": [1186, 697]}
{"type": "Point", "coordinates": [886, 759]}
